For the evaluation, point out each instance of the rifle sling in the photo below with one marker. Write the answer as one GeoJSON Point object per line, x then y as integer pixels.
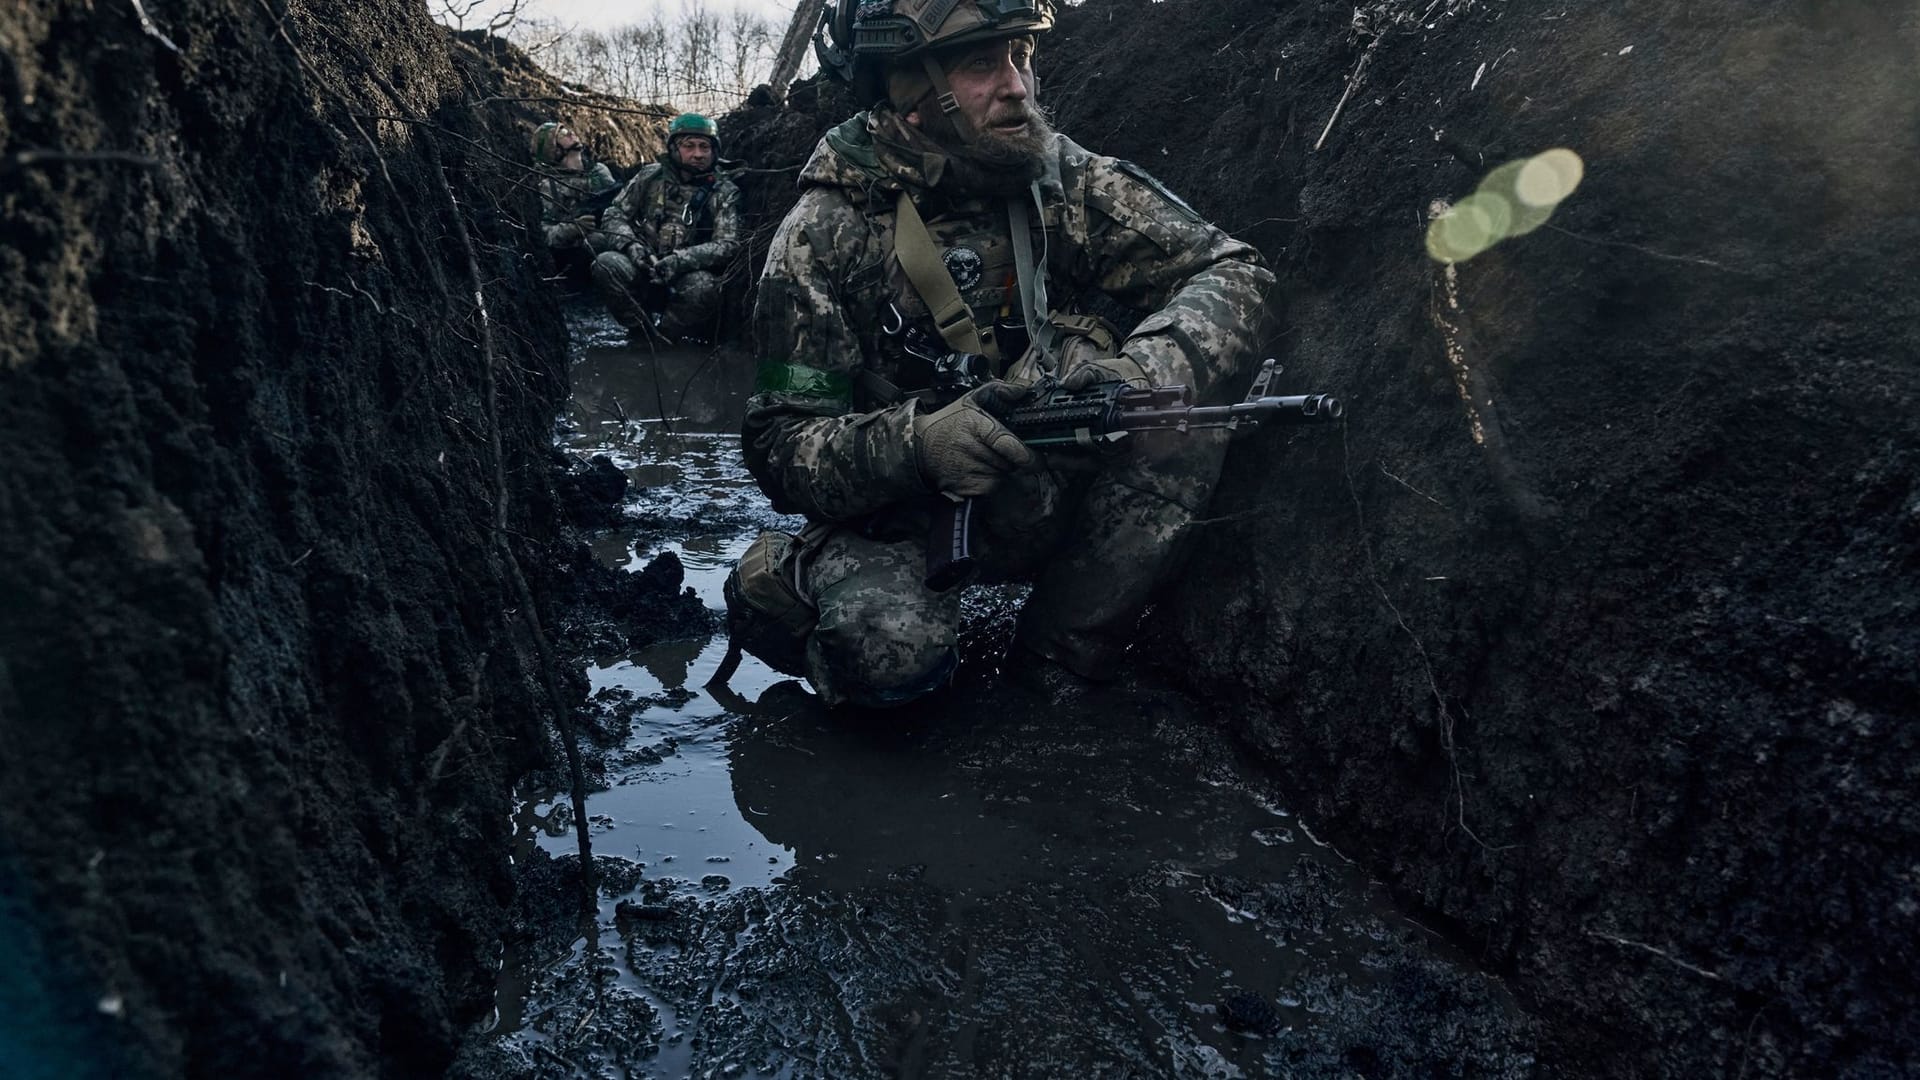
{"type": "Point", "coordinates": [920, 260]}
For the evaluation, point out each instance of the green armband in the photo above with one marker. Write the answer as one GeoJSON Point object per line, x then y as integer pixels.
{"type": "Point", "coordinates": [798, 380]}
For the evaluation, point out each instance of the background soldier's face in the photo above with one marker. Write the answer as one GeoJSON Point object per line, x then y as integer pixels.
{"type": "Point", "coordinates": [568, 151]}
{"type": "Point", "coordinates": [694, 152]}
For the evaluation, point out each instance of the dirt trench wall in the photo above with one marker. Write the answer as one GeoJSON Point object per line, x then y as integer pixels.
{"type": "Point", "coordinates": [265, 675]}
{"type": "Point", "coordinates": [1594, 629]}
{"type": "Point", "coordinates": [505, 82]}
{"type": "Point", "coordinates": [1621, 690]}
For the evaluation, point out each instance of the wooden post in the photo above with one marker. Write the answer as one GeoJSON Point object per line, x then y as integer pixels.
{"type": "Point", "coordinates": [793, 47]}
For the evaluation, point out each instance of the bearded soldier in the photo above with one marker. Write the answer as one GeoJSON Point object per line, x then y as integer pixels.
{"type": "Point", "coordinates": [568, 181]}
{"type": "Point", "coordinates": [672, 232]}
{"type": "Point", "coordinates": [949, 219]}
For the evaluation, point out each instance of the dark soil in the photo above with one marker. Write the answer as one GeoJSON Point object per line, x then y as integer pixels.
{"type": "Point", "coordinates": [1615, 688]}
{"type": "Point", "coordinates": [1625, 693]}
{"type": "Point", "coordinates": [267, 669]}
{"type": "Point", "coordinates": [1622, 693]}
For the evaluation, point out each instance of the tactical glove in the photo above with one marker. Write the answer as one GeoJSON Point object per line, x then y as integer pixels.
{"type": "Point", "coordinates": [1089, 373]}
{"type": "Point", "coordinates": [668, 268]}
{"type": "Point", "coordinates": [962, 449]}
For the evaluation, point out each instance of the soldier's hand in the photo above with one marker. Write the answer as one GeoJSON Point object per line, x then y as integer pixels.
{"type": "Point", "coordinates": [587, 222]}
{"type": "Point", "coordinates": [963, 449]}
{"type": "Point", "coordinates": [666, 269]}
{"type": "Point", "coordinates": [1090, 373]}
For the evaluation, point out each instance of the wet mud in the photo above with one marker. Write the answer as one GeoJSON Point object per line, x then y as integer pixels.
{"type": "Point", "coordinates": [988, 883]}
{"type": "Point", "coordinates": [1589, 638]}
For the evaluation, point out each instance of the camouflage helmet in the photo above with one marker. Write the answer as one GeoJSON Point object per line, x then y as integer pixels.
{"type": "Point", "coordinates": [546, 141]}
{"type": "Point", "coordinates": [690, 123]}
{"type": "Point", "coordinates": [859, 39]}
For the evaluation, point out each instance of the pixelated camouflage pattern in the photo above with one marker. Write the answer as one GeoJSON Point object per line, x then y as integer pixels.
{"type": "Point", "coordinates": [653, 217]}
{"type": "Point", "coordinates": [883, 638]}
{"type": "Point", "coordinates": [655, 210]}
{"type": "Point", "coordinates": [1114, 241]}
{"type": "Point", "coordinates": [560, 191]}
{"type": "Point", "coordinates": [825, 437]}
{"type": "Point", "coordinates": [689, 303]}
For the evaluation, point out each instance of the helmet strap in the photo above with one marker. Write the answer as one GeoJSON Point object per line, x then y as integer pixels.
{"type": "Point", "coordinates": [943, 93]}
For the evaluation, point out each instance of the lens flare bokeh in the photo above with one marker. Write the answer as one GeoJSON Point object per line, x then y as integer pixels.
{"type": "Point", "coordinates": [1513, 200]}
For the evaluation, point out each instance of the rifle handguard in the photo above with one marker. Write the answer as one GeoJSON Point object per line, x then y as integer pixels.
{"type": "Point", "coordinates": [1099, 416]}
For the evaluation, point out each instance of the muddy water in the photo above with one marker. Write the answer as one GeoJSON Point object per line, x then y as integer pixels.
{"type": "Point", "coordinates": [986, 885]}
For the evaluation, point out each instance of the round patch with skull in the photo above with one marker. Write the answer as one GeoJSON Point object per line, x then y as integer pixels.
{"type": "Point", "coordinates": [965, 265]}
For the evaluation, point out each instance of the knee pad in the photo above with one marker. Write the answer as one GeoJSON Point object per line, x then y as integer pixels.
{"type": "Point", "coordinates": [879, 666]}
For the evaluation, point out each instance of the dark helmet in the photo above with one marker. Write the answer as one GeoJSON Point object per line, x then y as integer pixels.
{"type": "Point", "coordinates": [689, 123]}
{"type": "Point", "coordinates": [859, 39]}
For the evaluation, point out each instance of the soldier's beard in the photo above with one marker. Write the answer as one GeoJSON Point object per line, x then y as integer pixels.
{"type": "Point", "coordinates": [996, 162]}
{"type": "Point", "coordinates": [1023, 152]}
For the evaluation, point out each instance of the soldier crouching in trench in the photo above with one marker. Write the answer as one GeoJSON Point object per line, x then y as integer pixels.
{"type": "Point", "coordinates": [567, 186]}
{"type": "Point", "coordinates": [673, 229]}
{"type": "Point", "coordinates": [949, 219]}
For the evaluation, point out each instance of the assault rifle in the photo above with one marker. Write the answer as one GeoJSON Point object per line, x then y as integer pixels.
{"type": "Point", "coordinates": [1097, 417]}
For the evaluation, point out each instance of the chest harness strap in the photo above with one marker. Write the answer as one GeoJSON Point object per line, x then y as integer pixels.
{"type": "Point", "coordinates": [920, 260]}
{"type": "Point", "coordinates": [1033, 280]}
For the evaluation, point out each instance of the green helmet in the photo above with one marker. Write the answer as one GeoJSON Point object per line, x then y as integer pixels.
{"type": "Point", "coordinates": [689, 123]}
{"type": "Point", "coordinates": [542, 144]}
{"type": "Point", "coordinates": [859, 39]}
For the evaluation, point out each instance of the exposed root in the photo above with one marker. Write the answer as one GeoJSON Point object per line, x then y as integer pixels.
{"type": "Point", "coordinates": [1353, 83]}
{"type": "Point", "coordinates": [1384, 471]}
{"type": "Point", "coordinates": [153, 30]}
{"type": "Point", "coordinates": [1691, 260]}
{"type": "Point", "coordinates": [509, 566]}
{"type": "Point", "coordinates": [1476, 389]}
{"type": "Point", "coordinates": [1457, 793]}
{"type": "Point", "coordinates": [1661, 953]}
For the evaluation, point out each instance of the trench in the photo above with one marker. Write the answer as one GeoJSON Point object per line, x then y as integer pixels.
{"type": "Point", "coordinates": [979, 885]}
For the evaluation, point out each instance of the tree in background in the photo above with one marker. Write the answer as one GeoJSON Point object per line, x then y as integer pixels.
{"type": "Point", "coordinates": [703, 59]}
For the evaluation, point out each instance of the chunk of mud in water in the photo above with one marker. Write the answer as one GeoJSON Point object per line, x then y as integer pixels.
{"type": "Point", "coordinates": [717, 882]}
{"type": "Point", "coordinates": [627, 909]}
{"type": "Point", "coordinates": [617, 876]}
{"type": "Point", "coordinates": [590, 492]}
{"type": "Point", "coordinates": [1249, 1014]}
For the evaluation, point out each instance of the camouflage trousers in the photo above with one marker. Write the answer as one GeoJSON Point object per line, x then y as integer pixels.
{"type": "Point", "coordinates": [687, 304]}
{"type": "Point", "coordinates": [1094, 536]}
{"type": "Point", "coordinates": [574, 248]}
{"type": "Point", "coordinates": [569, 236]}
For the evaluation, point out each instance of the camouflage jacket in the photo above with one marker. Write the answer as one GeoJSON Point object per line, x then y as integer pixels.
{"type": "Point", "coordinates": [700, 222]}
{"type": "Point", "coordinates": [817, 437]}
{"type": "Point", "coordinates": [561, 191]}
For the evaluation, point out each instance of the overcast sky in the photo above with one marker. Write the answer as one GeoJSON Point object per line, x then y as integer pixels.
{"type": "Point", "coordinates": [606, 14]}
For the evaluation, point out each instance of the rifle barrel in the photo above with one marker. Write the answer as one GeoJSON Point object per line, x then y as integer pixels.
{"type": "Point", "coordinates": [1296, 409]}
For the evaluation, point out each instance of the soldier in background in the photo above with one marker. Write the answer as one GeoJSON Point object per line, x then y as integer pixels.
{"type": "Point", "coordinates": [567, 186]}
{"type": "Point", "coordinates": [671, 233]}
{"type": "Point", "coordinates": [948, 218]}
